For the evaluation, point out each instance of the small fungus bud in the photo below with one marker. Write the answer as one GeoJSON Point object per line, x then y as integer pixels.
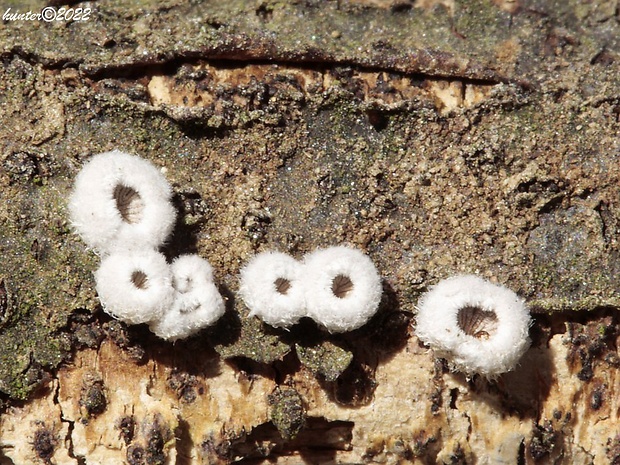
{"type": "Point", "coordinates": [197, 302]}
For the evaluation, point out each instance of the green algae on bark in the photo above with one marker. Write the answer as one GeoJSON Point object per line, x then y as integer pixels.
{"type": "Point", "coordinates": [45, 275]}
{"type": "Point", "coordinates": [324, 359]}
{"type": "Point", "coordinates": [287, 412]}
{"type": "Point", "coordinates": [234, 337]}
{"type": "Point", "coordinates": [416, 41]}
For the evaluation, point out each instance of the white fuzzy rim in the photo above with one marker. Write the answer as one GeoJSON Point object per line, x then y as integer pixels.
{"type": "Point", "coordinates": [272, 288]}
{"type": "Point", "coordinates": [197, 302]}
{"type": "Point", "coordinates": [135, 288]}
{"type": "Point", "coordinates": [121, 202]}
{"type": "Point", "coordinates": [343, 288]}
{"type": "Point", "coordinates": [189, 271]}
{"type": "Point", "coordinates": [478, 326]}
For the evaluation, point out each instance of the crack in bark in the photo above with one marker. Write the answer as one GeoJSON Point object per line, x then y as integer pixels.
{"type": "Point", "coordinates": [315, 59]}
{"type": "Point", "coordinates": [68, 439]}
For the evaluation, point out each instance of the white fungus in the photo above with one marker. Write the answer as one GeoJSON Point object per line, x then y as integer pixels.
{"type": "Point", "coordinates": [342, 286]}
{"type": "Point", "coordinates": [272, 288]}
{"type": "Point", "coordinates": [197, 302]}
{"type": "Point", "coordinates": [135, 288]}
{"type": "Point", "coordinates": [477, 326]}
{"type": "Point", "coordinates": [121, 202]}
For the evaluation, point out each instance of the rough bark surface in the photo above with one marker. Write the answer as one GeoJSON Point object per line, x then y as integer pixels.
{"type": "Point", "coordinates": [439, 137]}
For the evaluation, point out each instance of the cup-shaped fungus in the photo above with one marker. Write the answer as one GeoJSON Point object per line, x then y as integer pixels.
{"type": "Point", "coordinates": [343, 288]}
{"type": "Point", "coordinates": [135, 288]}
{"type": "Point", "coordinates": [477, 326]}
{"type": "Point", "coordinates": [197, 302]}
{"type": "Point", "coordinates": [121, 202]}
{"type": "Point", "coordinates": [272, 288]}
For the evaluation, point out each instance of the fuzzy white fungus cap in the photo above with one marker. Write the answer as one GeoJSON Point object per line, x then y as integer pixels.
{"type": "Point", "coordinates": [121, 202]}
{"type": "Point", "coordinates": [272, 288]}
{"type": "Point", "coordinates": [477, 326]}
{"type": "Point", "coordinates": [343, 288]}
{"type": "Point", "coordinates": [135, 288]}
{"type": "Point", "coordinates": [197, 301]}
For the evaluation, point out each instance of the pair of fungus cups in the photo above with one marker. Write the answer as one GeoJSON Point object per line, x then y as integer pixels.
{"type": "Point", "coordinates": [477, 326]}
{"type": "Point", "coordinates": [121, 207]}
{"type": "Point", "coordinates": [338, 287]}
{"type": "Point", "coordinates": [175, 300]}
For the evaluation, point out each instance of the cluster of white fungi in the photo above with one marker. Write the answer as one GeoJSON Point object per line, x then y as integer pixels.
{"type": "Point", "coordinates": [121, 207]}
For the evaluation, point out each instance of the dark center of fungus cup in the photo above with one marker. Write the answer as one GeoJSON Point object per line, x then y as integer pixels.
{"type": "Point", "coordinates": [477, 322]}
{"type": "Point", "coordinates": [342, 286]}
{"type": "Point", "coordinates": [140, 279]}
{"type": "Point", "coordinates": [282, 285]}
{"type": "Point", "coordinates": [129, 203]}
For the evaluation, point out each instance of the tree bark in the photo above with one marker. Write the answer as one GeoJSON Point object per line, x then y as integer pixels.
{"type": "Point", "coordinates": [439, 137]}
